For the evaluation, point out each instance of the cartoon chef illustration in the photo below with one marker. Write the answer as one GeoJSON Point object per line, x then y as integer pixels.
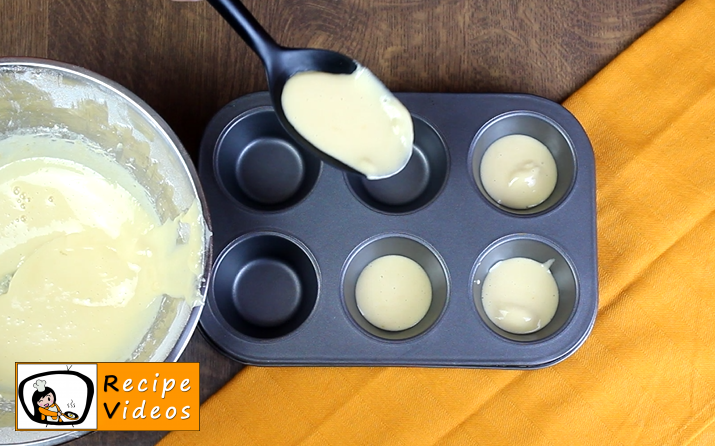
{"type": "Point", "coordinates": [44, 402]}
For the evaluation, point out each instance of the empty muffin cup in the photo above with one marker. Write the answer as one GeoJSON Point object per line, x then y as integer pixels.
{"type": "Point", "coordinates": [260, 166]}
{"type": "Point", "coordinates": [406, 246]}
{"type": "Point", "coordinates": [544, 131]}
{"type": "Point", "coordinates": [265, 284]}
{"type": "Point", "coordinates": [542, 251]}
{"type": "Point", "coordinates": [416, 185]}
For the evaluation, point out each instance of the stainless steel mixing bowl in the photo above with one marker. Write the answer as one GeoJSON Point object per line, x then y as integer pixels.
{"type": "Point", "coordinates": [51, 97]}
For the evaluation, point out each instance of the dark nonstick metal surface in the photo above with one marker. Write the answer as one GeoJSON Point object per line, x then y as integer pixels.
{"type": "Point", "coordinates": [292, 234]}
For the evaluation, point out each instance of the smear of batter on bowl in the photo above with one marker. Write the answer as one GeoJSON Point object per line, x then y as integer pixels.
{"type": "Point", "coordinates": [84, 259]}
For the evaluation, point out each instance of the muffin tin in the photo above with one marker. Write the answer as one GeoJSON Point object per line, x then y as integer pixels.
{"type": "Point", "coordinates": [294, 235]}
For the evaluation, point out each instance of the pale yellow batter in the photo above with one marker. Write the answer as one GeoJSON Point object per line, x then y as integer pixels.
{"type": "Point", "coordinates": [352, 118]}
{"type": "Point", "coordinates": [518, 171]}
{"type": "Point", "coordinates": [84, 262]}
{"type": "Point", "coordinates": [520, 295]}
{"type": "Point", "coordinates": [393, 292]}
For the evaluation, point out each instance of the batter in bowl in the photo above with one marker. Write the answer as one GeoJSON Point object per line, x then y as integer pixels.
{"type": "Point", "coordinates": [84, 259]}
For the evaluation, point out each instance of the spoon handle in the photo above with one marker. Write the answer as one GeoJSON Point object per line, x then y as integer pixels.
{"type": "Point", "coordinates": [241, 19]}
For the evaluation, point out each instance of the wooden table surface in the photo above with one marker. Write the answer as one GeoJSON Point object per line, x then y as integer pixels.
{"type": "Point", "coordinates": [186, 63]}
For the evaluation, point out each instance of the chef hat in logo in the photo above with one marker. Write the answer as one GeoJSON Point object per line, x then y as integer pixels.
{"type": "Point", "coordinates": [40, 385]}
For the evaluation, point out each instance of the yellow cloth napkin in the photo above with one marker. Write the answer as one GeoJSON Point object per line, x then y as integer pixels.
{"type": "Point", "coordinates": [646, 376]}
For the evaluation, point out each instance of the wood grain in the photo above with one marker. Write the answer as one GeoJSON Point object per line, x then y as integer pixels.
{"type": "Point", "coordinates": [19, 20]}
{"type": "Point", "coordinates": [186, 63]}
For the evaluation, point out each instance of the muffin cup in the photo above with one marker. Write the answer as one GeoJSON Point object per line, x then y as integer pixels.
{"type": "Point", "coordinates": [540, 128]}
{"type": "Point", "coordinates": [403, 245]}
{"type": "Point", "coordinates": [265, 285]}
{"type": "Point", "coordinates": [538, 249]}
{"type": "Point", "coordinates": [415, 186]}
{"type": "Point", "coordinates": [259, 166]}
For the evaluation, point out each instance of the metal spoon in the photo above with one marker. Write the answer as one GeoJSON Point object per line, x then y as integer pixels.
{"type": "Point", "coordinates": [281, 63]}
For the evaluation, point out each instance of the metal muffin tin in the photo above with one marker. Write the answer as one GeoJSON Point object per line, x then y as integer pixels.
{"type": "Point", "coordinates": [294, 235]}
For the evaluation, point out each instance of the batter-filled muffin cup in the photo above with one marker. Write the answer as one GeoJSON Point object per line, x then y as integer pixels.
{"type": "Point", "coordinates": [534, 268]}
{"type": "Point", "coordinates": [522, 163]}
{"type": "Point", "coordinates": [395, 286]}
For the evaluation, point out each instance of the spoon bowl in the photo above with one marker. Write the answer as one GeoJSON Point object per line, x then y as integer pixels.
{"type": "Point", "coordinates": [281, 63]}
{"type": "Point", "coordinates": [288, 61]}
